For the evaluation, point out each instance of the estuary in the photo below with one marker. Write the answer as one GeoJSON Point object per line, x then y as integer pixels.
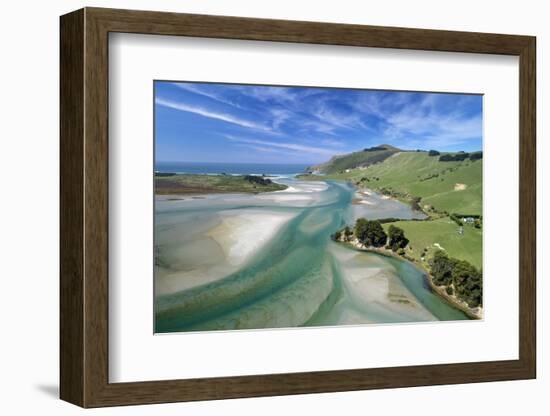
{"type": "Point", "coordinates": [252, 261]}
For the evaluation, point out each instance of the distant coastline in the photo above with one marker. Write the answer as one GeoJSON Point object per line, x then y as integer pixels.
{"type": "Point", "coordinates": [167, 183]}
{"type": "Point", "coordinates": [213, 168]}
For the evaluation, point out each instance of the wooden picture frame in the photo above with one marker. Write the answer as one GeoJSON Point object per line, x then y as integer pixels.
{"type": "Point", "coordinates": [84, 207]}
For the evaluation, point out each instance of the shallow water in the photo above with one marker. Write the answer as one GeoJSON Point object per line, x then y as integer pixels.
{"type": "Point", "coordinates": [371, 205]}
{"type": "Point", "coordinates": [267, 261]}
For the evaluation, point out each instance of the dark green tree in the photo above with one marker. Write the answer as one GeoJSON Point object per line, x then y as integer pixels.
{"type": "Point", "coordinates": [348, 232]}
{"type": "Point", "coordinates": [463, 277]}
{"type": "Point", "coordinates": [370, 233]}
{"type": "Point", "coordinates": [397, 238]}
{"type": "Point", "coordinates": [442, 268]}
{"type": "Point", "coordinates": [476, 155]}
{"type": "Point", "coordinates": [467, 281]}
{"type": "Point", "coordinates": [457, 157]}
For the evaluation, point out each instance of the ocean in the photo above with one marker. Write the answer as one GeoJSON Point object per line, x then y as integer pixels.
{"type": "Point", "coordinates": [231, 168]}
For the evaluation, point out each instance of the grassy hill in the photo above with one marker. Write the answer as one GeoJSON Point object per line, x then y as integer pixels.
{"type": "Point", "coordinates": [363, 158]}
{"type": "Point", "coordinates": [455, 187]}
{"type": "Point", "coordinates": [428, 236]}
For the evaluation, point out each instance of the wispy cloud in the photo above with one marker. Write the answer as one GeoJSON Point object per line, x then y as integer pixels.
{"type": "Point", "coordinates": [332, 142]}
{"type": "Point", "coordinates": [262, 149]}
{"type": "Point", "coordinates": [193, 88]}
{"type": "Point", "coordinates": [282, 145]}
{"type": "Point", "coordinates": [264, 94]}
{"type": "Point", "coordinates": [228, 118]}
{"type": "Point", "coordinates": [426, 120]}
{"type": "Point", "coordinates": [280, 116]}
{"type": "Point", "coordinates": [284, 123]}
{"type": "Point", "coordinates": [338, 120]}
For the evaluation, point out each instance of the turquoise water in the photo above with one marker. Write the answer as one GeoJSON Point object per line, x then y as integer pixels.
{"type": "Point", "coordinates": [297, 277]}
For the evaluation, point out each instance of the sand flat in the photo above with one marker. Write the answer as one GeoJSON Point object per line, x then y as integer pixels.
{"type": "Point", "coordinates": [372, 283]}
{"type": "Point", "coordinates": [241, 235]}
{"type": "Point", "coordinates": [220, 250]}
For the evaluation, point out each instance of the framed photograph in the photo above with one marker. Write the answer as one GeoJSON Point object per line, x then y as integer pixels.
{"type": "Point", "coordinates": [255, 207]}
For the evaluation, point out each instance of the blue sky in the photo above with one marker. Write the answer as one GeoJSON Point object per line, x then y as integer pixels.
{"type": "Point", "coordinates": [198, 122]}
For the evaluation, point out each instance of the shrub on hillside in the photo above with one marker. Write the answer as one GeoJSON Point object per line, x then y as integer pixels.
{"type": "Point", "coordinates": [476, 155]}
{"type": "Point", "coordinates": [457, 157]}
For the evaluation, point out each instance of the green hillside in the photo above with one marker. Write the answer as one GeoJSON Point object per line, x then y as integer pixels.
{"type": "Point", "coordinates": [448, 188]}
{"type": "Point", "coordinates": [455, 187]}
{"type": "Point", "coordinates": [363, 158]}
{"type": "Point", "coordinates": [426, 237]}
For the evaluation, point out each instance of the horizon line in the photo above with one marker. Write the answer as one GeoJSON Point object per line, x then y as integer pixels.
{"type": "Point", "coordinates": [302, 163]}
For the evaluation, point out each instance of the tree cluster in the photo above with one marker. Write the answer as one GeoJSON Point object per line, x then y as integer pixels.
{"type": "Point", "coordinates": [459, 157]}
{"type": "Point", "coordinates": [476, 155]}
{"type": "Point", "coordinates": [433, 153]}
{"type": "Point", "coordinates": [466, 281]}
{"type": "Point", "coordinates": [258, 180]}
{"type": "Point", "coordinates": [370, 233]}
{"type": "Point", "coordinates": [387, 220]}
{"type": "Point", "coordinates": [396, 238]}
